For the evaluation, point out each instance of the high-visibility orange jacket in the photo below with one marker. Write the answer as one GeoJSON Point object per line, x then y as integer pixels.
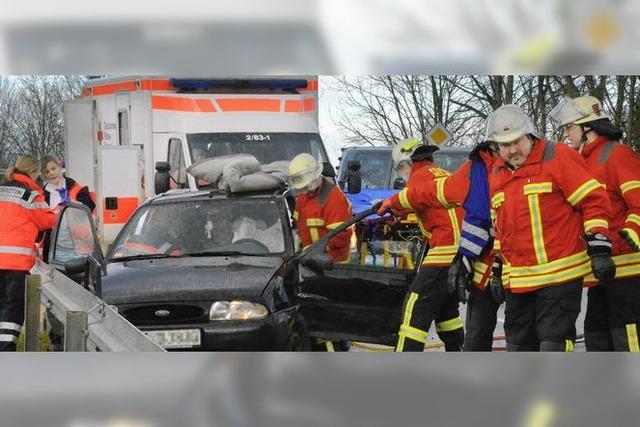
{"type": "Point", "coordinates": [23, 214]}
{"type": "Point", "coordinates": [617, 167]}
{"type": "Point", "coordinates": [453, 192]}
{"type": "Point", "coordinates": [542, 211]}
{"type": "Point", "coordinates": [321, 211]}
{"type": "Point", "coordinates": [440, 227]}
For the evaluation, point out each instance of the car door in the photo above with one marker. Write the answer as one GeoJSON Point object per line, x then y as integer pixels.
{"type": "Point", "coordinates": [362, 300]}
{"type": "Point", "coordinates": [74, 241]}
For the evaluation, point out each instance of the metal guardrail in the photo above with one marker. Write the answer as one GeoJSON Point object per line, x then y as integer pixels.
{"type": "Point", "coordinates": [103, 330]}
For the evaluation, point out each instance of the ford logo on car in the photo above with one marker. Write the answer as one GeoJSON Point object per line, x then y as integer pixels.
{"type": "Point", "coordinates": [162, 313]}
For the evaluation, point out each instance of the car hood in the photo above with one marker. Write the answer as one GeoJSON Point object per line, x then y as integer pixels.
{"type": "Point", "coordinates": [188, 279]}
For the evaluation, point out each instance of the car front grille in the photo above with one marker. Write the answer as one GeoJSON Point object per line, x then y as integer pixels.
{"type": "Point", "coordinates": [164, 314]}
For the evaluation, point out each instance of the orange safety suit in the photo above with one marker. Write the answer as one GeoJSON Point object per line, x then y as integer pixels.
{"type": "Point", "coordinates": [441, 227]}
{"type": "Point", "coordinates": [617, 167]}
{"type": "Point", "coordinates": [24, 213]}
{"type": "Point", "coordinates": [542, 211]}
{"type": "Point", "coordinates": [319, 212]}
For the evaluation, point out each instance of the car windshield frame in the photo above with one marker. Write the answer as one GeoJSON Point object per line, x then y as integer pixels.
{"type": "Point", "coordinates": [129, 228]}
{"type": "Point", "coordinates": [200, 143]}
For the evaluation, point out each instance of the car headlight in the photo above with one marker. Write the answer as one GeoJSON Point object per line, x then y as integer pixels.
{"type": "Point", "coordinates": [237, 310]}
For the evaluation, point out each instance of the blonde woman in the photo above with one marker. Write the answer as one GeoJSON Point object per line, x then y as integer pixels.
{"type": "Point", "coordinates": [59, 188]}
{"type": "Point", "coordinates": [24, 214]}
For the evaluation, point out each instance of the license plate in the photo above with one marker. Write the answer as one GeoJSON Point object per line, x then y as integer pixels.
{"type": "Point", "coordinates": [176, 338]}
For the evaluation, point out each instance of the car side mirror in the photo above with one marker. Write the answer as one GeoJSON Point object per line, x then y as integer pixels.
{"type": "Point", "coordinates": [162, 177]}
{"type": "Point", "coordinates": [354, 177]}
{"type": "Point", "coordinates": [317, 262]}
{"type": "Point", "coordinates": [328, 170]}
{"type": "Point", "coordinates": [93, 276]}
{"type": "Point", "coordinates": [399, 183]}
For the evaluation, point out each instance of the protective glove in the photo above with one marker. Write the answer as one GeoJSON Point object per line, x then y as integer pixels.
{"type": "Point", "coordinates": [629, 237]}
{"type": "Point", "coordinates": [599, 249]}
{"type": "Point", "coordinates": [459, 277]}
{"type": "Point", "coordinates": [496, 288]}
{"type": "Point", "coordinates": [385, 207]}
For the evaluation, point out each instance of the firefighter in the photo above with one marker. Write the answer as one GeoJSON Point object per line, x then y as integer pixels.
{"type": "Point", "coordinates": [59, 188]}
{"type": "Point", "coordinates": [24, 214]}
{"type": "Point", "coordinates": [320, 207]}
{"type": "Point", "coordinates": [471, 267]}
{"type": "Point", "coordinates": [552, 229]}
{"type": "Point", "coordinates": [427, 299]}
{"type": "Point", "coordinates": [613, 308]}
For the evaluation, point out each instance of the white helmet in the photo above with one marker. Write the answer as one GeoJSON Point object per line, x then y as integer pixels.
{"type": "Point", "coordinates": [304, 170]}
{"type": "Point", "coordinates": [583, 109]}
{"type": "Point", "coordinates": [403, 150]}
{"type": "Point", "coordinates": [508, 123]}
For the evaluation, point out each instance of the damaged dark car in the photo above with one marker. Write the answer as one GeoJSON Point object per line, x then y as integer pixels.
{"type": "Point", "coordinates": [214, 271]}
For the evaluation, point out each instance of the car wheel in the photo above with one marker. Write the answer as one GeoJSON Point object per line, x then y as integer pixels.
{"type": "Point", "coordinates": [299, 340]}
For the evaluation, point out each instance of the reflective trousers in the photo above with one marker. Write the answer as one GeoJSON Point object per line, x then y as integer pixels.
{"type": "Point", "coordinates": [545, 319]}
{"type": "Point", "coordinates": [613, 316]}
{"type": "Point", "coordinates": [427, 300]}
{"type": "Point", "coordinates": [12, 288]}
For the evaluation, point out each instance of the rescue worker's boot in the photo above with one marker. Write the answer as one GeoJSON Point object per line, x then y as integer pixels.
{"type": "Point", "coordinates": [626, 339]}
{"type": "Point", "coordinates": [12, 299]}
{"type": "Point", "coordinates": [566, 346]}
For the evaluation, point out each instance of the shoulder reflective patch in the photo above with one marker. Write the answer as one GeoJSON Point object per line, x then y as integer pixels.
{"type": "Point", "coordinates": [439, 172]}
{"type": "Point", "coordinates": [12, 191]}
{"type": "Point", "coordinates": [606, 152]}
{"type": "Point", "coordinates": [629, 185]}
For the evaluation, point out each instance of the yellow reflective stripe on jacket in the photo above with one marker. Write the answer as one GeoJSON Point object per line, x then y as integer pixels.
{"type": "Point", "coordinates": [479, 271]}
{"type": "Point", "coordinates": [440, 255]}
{"type": "Point", "coordinates": [497, 200]}
{"type": "Point", "coordinates": [632, 338]}
{"type": "Point", "coordinates": [634, 219]}
{"type": "Point", "coordinates": [629, 185]}
{"type": "Point", "coordinates": [536, 229]}
{"type": "Point", "coordinates": [574, 272]}
{"type": "Point", "coordinates": [315, 222]}
{"type": "Point", "coordinates": [556, 265]}
{"type": "Point", "coordinates": [496, 244]}
{"type": "Point", "coordinates": [404, 199]}
{"type": "Point", "coordinates": [440, 193]}
{"type": "Point", "coordinates": [335, 225]}
{"type": "Point", "coordinates": [296, 215]}
{"type": "Point", "coordinates": [453, 217]}
{"type": "Point", "coordinates": [633, 235]}
{"type": "Point", "coordinates": [449, 325]}
{"type": "Point", "coordinates": [568, 348]}
{"type": "Point", "coordinates": [595, 223]}
{"type": "Point", "coordinates": [583, 191]}
{"type": "Point", "coordinates": [537, 188]}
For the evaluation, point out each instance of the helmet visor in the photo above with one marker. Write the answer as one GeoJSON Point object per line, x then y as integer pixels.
{"type": "Point", "coordinates": [567, 111]}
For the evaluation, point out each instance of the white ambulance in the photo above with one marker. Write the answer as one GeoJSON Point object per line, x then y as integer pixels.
{"type": "Point", "coordinates": [121, 128]}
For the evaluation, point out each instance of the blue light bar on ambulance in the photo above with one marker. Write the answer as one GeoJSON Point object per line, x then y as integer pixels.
{"type": "Point", "coordinates": [208, 84]}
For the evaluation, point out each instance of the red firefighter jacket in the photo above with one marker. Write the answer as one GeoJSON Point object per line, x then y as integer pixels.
{"type": "Point", "coordinates": [24, 213]}
{"type": "Point", "coordinates": [321, 211]}
{"type": "Point", "coordinates": [441, 227]}
{"type": "Point", "coordinates": [542, 211]}
{"type": "Point", "coordinates": [453, 192]}
{"type": "Point", "coordinates": [617, 167]}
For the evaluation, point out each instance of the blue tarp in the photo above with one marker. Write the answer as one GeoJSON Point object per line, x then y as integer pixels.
{"type": "Point", "coordinates": [363, 200]}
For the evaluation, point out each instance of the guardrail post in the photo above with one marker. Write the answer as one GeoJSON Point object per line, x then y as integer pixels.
{"type": "Point", "coordinates": [75, 331]}
{"type": "Point", "coordinates": [32, 313]}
